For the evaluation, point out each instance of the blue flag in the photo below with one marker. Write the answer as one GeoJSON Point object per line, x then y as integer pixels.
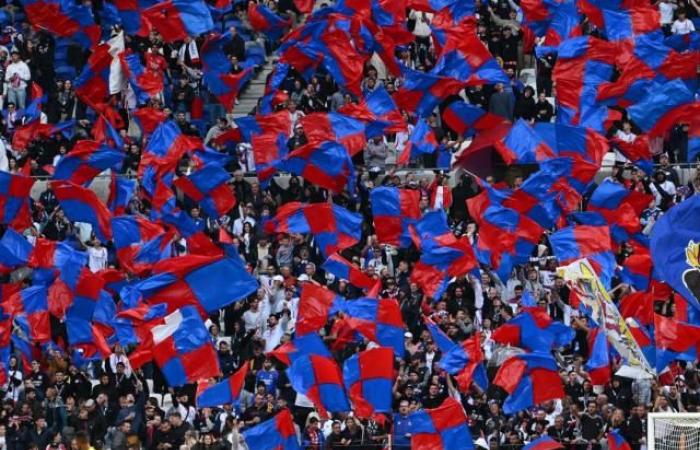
{"type": "Point", "coordinates": [675, 248]}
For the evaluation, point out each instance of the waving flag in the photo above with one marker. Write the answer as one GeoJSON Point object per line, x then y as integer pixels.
{"type": "Point", "coordinates": [675, 249]}
{"type": "Point", "coordinates": [226, 86]}
{"type": "Point", "coordinates": [616, 441]}
{"type": "Point", "coordinates": [131, 235]}
{"type": "Point", "coordinates": [33, 303]}
{"type": "Point", "coordinates": [64, 19]}
{"type": "Point", "coordinates": [186, 280]}
{"type": "Point", "coordinates": [300, 346]}
{"type": "Point", "coordinates": [144, 83]}
{"type": "Point", "coordinates": [443, 257]}
{"type": "Point", "coordinates": [422, 141]}
{"type": "Point", "coordinates": [543, 443]}
{"type": "Point", "coordinates": [636, 270]}
{"type": "Point", "coordinates": [380, 112]}
{"type": "Point", "coordinates": [553, 20]}
{"type": "Point", "coordinates": [585, 241]}
{"type": "Point", "coordinates": [327, 165]}
{"type": "Point", "coordinates": [333, 227]}
{"type": "Point", "coordinates": [529, 379]}
{"type": "Point", "coordinates": [14, 200]}
{"type": "Point", "coordinates": [422, 92]}
{"type": "Point", "coordinates": [443, 342]}
{"type": "Point", "coordinates": [177, 19]}
{"type": "Point", "coordinates": [316, 304]}
{"type": "Point", "coordinates": [619, 205]}
{"type": "Point", "coordinates": [277, 433]}
{"type": "Point", "coordinates": [334, 126]}
{"type": "Point", "coordinates": [444, 427]}
{"type": "Point", "coordinates": [393, 211]}
{"type": "Point", "coordinates": [82, 205]}
{"type": "Point", "coordinates": [209, 187]}
{"type": "Point", "coordinates": [369, 377]}
{"type": "Point", "coordinates": [127, 324]}
{"type": "Point", "coordinates": [377, 320]}
{"type": "Point", "coordinates": [14, 251]}
{"type": "Point", "coordinates": [341, 268]}
{"type": "Point", "coordinates": [86, 160]}
{"type": "Point", "coordinates": [598, 364]}
{"type": "Point", "coordinates": [319, 378]}
{"type": "Point", "coordinates": [638, 305]}
{"type": "Point", "coordinates": [262, 19]}
{"type": "Point", "coordinates": [121, 191]}
{"type": "Point", "coordinates": [621, 20]}
{"type": "Point", "coordinates": [93, 84]}
{"type": "Point", "coordinates": [674, 341]}
{"type": "Point", "coordinates": [466, 119]}
{"type": "Point", "coordinates": [533, 330]}
{"type": "Point", "coordinates": [663, 106]}
{"type": "Point", "coordinates": [506, 237]}
{"type": "Point", "coordinates": [182, 348]}
{"type": "Point", "coordinates": [465, 362]}
{"type": "Point", "coordinates": [224, 392]}
{"type": "Point", "coordinates": [148, 119]}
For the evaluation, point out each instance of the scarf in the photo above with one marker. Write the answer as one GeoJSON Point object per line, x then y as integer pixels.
{"type": "Point", "coordinates": [191, 49]}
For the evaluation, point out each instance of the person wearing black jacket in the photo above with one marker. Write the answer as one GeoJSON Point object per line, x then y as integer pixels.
{"type": "Point", "coordinates": [543, 109]}
{"type": "Point", "coordinates": [525, 104]}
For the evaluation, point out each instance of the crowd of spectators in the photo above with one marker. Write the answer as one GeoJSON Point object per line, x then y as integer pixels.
{"type": "Point", "coordinates": [52, 403]}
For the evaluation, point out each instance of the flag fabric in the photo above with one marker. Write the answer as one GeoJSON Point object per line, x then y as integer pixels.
{"type": "Point", "coordinates": [444, 427]}
{"type": "Point", "coordinates": [344, 270]}
{"type": "Point", "coordinates": [598, 364]}
{"type": "Point", "coordinates": [86, 160]}
{"type": "Point", "coordinates": [543, 443]}
{"type": "Point", "coordinates": [316, 304]}
{"type": "Point", "coordinates": [327, 164]}
{"type": "Point", "coordinates": [333, 227]}
{"type": "Point", "coordinates": [466, 119]}
{"type": "Point", "coordinates": [93, 83]}
{"type": "Point", "coordinates": [674, 340]}
{"type": "Point", "coordinates": [422, 141]}
{"type": "Point", "coordinates": [529, 379]}
{"type": "Point", "coordinates": [368, 378]}
{"type": "Point", "coordinates": [33, 304]}
{"type": "Point", "coordinates": [533, 330]}
{"type": "Point", "coordinates": [14, 200]}
{"type": "Point", "coordinates": [82, 205]}
{"type": "Point", "coordinates": [393, 211]}
{"type": "Point", "coordinates": [64, 19]}
{"type": "Point", "coordinates": [144, 83]}
{"type": "Point", "coordinates": [464, 361]}
{"type": "Point", "coordinates": [378, 320]}
{"type": "Point", "coordinates": [128, 324]}
{"type": "Point", "coordinates": [320, 379]}
{"type": "Point", "coordinates": [337, 127]}
{"type": "Point", "coordinates": [300, 346]}
{"type": "Point", "coordinates": [277, 433]}
{"type": "Point", "coordinates": [186, 281]}
{"type": "Point", "coordinates": [121, 192]}
{"type": "Point", "coordinates": [182, 348]}
{"type": "Point", "coordinates": [264, 20]}
{"type": "Point", "coordinates": [585, 241]}
{"type": "Point", "coordinates": [15, 251]}
{"type": "Point", "coordinates": [177, 19]}
{"type": "Point", "coordinates": [675, 249]}
{"type": "Point", "coordinates": [225, 392]}
{"type": "Point", "coordinates": [443, 255]}
{"type": "Point", "coordinates": [616, 441]}
{"type": "Point", "coordinates": [208, 186]}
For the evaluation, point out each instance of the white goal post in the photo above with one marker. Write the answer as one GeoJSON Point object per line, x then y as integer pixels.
{"type": "Point", "coordinates": [673, 431]}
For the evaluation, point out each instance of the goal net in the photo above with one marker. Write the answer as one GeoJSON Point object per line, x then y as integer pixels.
{"type": "Point", "coordinates": [673, 431]}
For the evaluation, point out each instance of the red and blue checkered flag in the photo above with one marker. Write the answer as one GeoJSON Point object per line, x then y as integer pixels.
{"type": "Point", "coordinates": [674, 340]}
{"type": "Point", "coordinates": [378, 320]}
{"type": "Point", "coordinates": [465, 363]}
{"type": "Point", "coordinates": [33, 304]}
{"type": "Point", "coordinates": [15, 251]}
{"type": "Point", "coordinates": [316, 304]}
{"type": "Point", "coordinates": [393, 211]}
{"type": "Point", "coordinates": [186, 281]}
{"type": "Point", "coordinates": [529, 379]}
{"type": "Point", "coordinates": [441, 428]}
{"type": "Point", "coordinates": [182, 347]}
{"type": "Point", "coordinates": [82, 205]}
{"type": "Point", "coordinates": [208, 186]}
{"type": "Point", "coordinates": [86, 160]}
{"type": "Point", "coordinates": [64, 19]}
{"type": "Point", "coordinates": [319, 378]}
{"type": "Point", "coordinates": [543, 443]}
{"type": "Point", "coordinates": [14, 200]}
{"type": "Point", "coordinates": [225, 392]}
{"type": "Point", "coordinates": [345, 270]}
{"type": "Point", "coordinates": [533, 330]}
{"type": "Point", "coordinates": [369, 377]}
{"type": "Point", "coordinates": [616, 441]}
{"type": "Point", "coordinates": [277, 433]}
{"type": "Point", "coordinates": [178, 19]}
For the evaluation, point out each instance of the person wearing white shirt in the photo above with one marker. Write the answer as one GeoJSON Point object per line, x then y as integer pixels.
{"type": "Point", "coordinates": [666, 10]}
{"type": "Point", "coordinates": [625, 135]}
{"type": "Point", "coordinates": [97, 256]}
{"type": "Point", "coordinates": [682, 25]}
{"type": "Point", "coordinates": [17, 75]}
{"type": "Point", "coordinates": [238, 223]}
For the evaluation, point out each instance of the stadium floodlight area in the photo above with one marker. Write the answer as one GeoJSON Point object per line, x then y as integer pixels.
{"type": "Point", "coordinates": [673, 431]}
